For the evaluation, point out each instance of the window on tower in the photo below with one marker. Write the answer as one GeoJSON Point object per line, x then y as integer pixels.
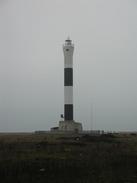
{"type": "Point", "coordinates": [67, 49]}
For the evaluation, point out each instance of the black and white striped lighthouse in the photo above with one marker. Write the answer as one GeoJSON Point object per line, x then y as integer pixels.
{"type": "Point", "coordinates": [68, 124]}
{"type": "Point", "coordinates": [68, 49]}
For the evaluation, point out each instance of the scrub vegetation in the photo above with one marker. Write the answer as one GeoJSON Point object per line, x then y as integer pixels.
{"type": "Point", "coordinates": [50, 158]}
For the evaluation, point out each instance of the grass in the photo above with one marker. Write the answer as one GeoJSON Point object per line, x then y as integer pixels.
{"type": "Point", "coordinates": [58, 159]}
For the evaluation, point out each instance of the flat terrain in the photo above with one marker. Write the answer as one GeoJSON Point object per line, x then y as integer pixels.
{"type": "Point", "coordinates": [51, 158]}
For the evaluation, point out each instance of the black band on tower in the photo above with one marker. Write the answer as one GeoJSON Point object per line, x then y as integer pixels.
{"type": "Point", "coordinates": [68, 111]}
{"type": "Point", "coordinates": [68, 77]}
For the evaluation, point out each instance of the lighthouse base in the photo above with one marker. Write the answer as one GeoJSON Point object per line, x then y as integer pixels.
{"type": "Point", "coordinates": [70, 126]}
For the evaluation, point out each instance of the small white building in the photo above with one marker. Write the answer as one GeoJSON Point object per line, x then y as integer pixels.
{"type": "Point", "coordinates": [70, 126]}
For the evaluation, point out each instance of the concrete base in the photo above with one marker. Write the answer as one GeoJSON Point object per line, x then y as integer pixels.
{"type": "Point", "coordinates": [71, 126]}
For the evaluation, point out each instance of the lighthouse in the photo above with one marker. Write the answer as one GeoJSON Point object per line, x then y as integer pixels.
{"type": "Point", "coordinates": [68, 49]}
{"type": "Point", "coordinates": [68, 124]}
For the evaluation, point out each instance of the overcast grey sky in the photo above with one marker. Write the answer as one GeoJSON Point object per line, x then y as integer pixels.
{"type": "Point", "coordinates": [31, 63]}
